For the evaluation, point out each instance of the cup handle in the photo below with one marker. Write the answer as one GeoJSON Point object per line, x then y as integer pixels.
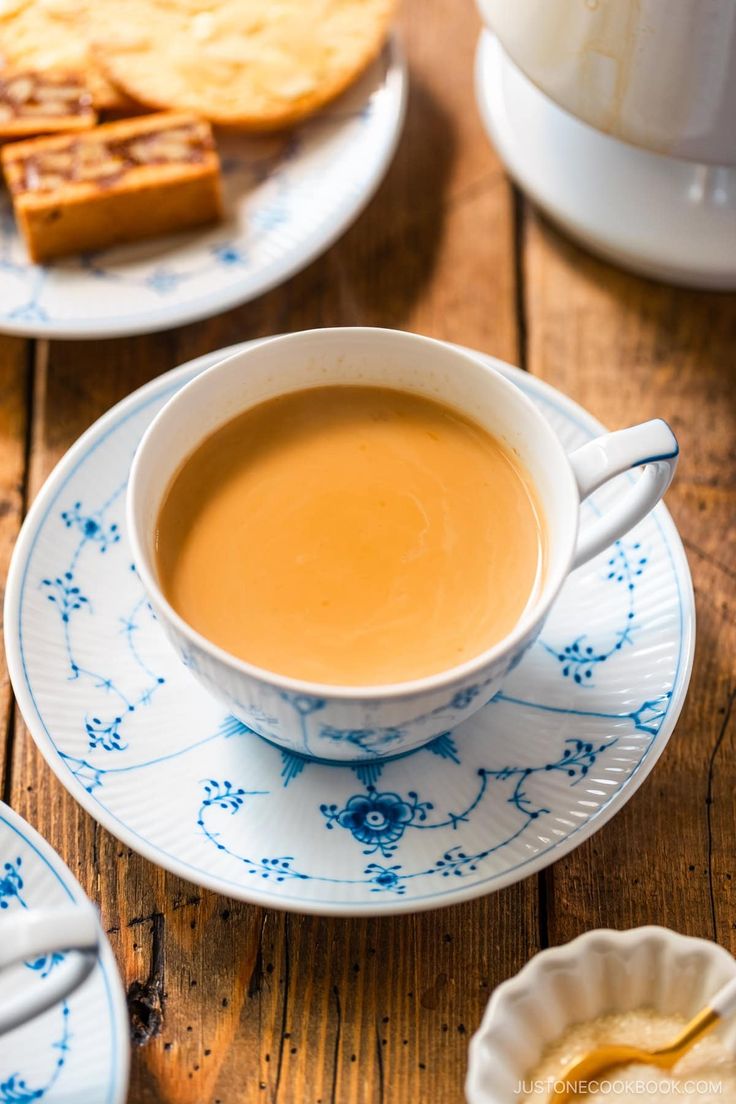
{"type": "Point", "coordinates": [27, 936]}
{"type": "Point", "coordinates": [651, 446]}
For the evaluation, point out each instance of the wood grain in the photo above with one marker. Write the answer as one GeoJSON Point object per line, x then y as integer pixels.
{"type": "Point", "coordinates": [628, 350]}
{"type": "Point", "coordinates": [232, 1003]}
{"type": "Point", "coordinates": [15, 374]}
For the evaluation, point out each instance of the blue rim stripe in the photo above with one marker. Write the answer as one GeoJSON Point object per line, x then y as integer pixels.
{"type": "Point", "coordinates": [654, 459]}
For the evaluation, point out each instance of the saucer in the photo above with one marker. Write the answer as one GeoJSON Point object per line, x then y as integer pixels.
{"type": "Point", "coordinates": [288, 198]}
{"type": "Point", "coordinates": [79, 1049]}
{"type": "Point", "coordinates": [576, 729]}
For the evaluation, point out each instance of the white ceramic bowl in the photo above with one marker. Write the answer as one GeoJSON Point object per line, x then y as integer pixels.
{"type": "Point", "coordinates": [601, 972]}
{"type": "Point", "coordinates": [372, 722]}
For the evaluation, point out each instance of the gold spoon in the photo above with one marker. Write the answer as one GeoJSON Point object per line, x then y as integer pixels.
{"type": "Point", "coordinates": [595, 1062]}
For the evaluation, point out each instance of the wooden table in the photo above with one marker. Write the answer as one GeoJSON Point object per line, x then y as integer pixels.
{"type": "Point", "coordinates": [234, 1004]}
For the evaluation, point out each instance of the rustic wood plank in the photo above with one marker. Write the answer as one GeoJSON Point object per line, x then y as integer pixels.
{"type": "Point", "coordinates": [259, 1005]}
{"type": "Point", "coordinates": [628, 349]}
{"type": "Point", "coordinates": [434, 250]}
{"type": "Point", "coordinates": [14, 389]}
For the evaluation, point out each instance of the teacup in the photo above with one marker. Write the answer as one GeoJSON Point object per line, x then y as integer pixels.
{"type": "Point", "coordinates": [30, 934]}
{"type": "Point", "coordinates": [355, 724]}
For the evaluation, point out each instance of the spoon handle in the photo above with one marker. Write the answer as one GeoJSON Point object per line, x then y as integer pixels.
{"type": "Point", "coordinates": [724, 1002]}
{"type": "Point", "coordinates": [720, 1005]}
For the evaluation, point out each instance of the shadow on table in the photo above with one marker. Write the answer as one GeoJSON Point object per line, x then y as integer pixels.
{"type": "Point", "coordinates": [664, 323]}
{"type": "Point", "coordinates": [379, 268]}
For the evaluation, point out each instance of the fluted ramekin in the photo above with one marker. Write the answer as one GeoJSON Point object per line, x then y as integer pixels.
{"type": "Point", "coordinates": [598, 973]}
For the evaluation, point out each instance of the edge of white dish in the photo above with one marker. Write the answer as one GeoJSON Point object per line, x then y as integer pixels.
{"type": "Point", "coordinates": [106, 958]}
{"type": "Point", "coordinates": [603, 971]}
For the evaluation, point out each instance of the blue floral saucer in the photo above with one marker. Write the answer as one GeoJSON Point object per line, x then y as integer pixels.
{"type": "Point", "coordinates": [77, 1051]}
{"type": "Point", "coordinates": [576, 729]}
{"type": "Point", "coordinates": [287, 199]}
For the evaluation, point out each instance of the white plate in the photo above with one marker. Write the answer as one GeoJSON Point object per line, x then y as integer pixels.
{"type": "Point", "coordinates": [77, 1051]}
{"type": "Point", "coordinates": [147, 752]}
{"type": "Point", "coordinates": [288, 199]}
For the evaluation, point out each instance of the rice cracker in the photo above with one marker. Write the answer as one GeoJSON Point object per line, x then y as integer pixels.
{"type": "Point", "coordinates": [51, 35]}
{"type": "Point", "coordinates": [251, 64]}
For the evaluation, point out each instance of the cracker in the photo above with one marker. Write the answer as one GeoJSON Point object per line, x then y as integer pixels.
{"type": "Point", "coordinates": [251, 64]}
{"type": "Point", "coordinates": [48, 35]}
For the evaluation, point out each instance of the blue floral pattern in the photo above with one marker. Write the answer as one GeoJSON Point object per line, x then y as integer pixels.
{"type": "Point", "coordinates": [95, 531]}
{"type": "Point", "coordinates": [46, 963]}
{"type": "Point", "coordinates": [15, 1089]}
{"type": "Point", "coordinates": [378, 743]}
{"type": "Point", "coordinates": [481, 804]}
{"type": "Point", "coordinates": [580, 658]}
{"type": "Point", "coordinates": [68, 1053]}
{"type": "Point", "coordinates": [11, 883]}
{"type": "Point", "coordinates": [377, 820]}
{"type": "Point", "coordinates": [280, 204]}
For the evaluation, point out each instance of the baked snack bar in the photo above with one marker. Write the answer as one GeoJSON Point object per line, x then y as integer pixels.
{"type": "Point", "coordinates": [116, 183]}
{"type": "Point", "coordinates": [42, 103]}
{"type": "Point", "coordinates": [251, 64]}
{"type": "Point", "coordinates": [46, 35]}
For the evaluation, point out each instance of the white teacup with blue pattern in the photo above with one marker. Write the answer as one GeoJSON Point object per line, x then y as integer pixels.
{"type": "Point", "coordinates": [352, 724]}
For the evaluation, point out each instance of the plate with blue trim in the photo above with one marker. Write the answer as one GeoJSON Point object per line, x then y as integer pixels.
{"type": "Point", "coordinates": [78, 1050]}
{"type": "Point", "coordinates": [287, 199]}
{"type": "Point", "coordinates": [577, 727]}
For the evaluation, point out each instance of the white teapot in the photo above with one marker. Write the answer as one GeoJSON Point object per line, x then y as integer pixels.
{"type": "Point", "coordinates": [657, 81]}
